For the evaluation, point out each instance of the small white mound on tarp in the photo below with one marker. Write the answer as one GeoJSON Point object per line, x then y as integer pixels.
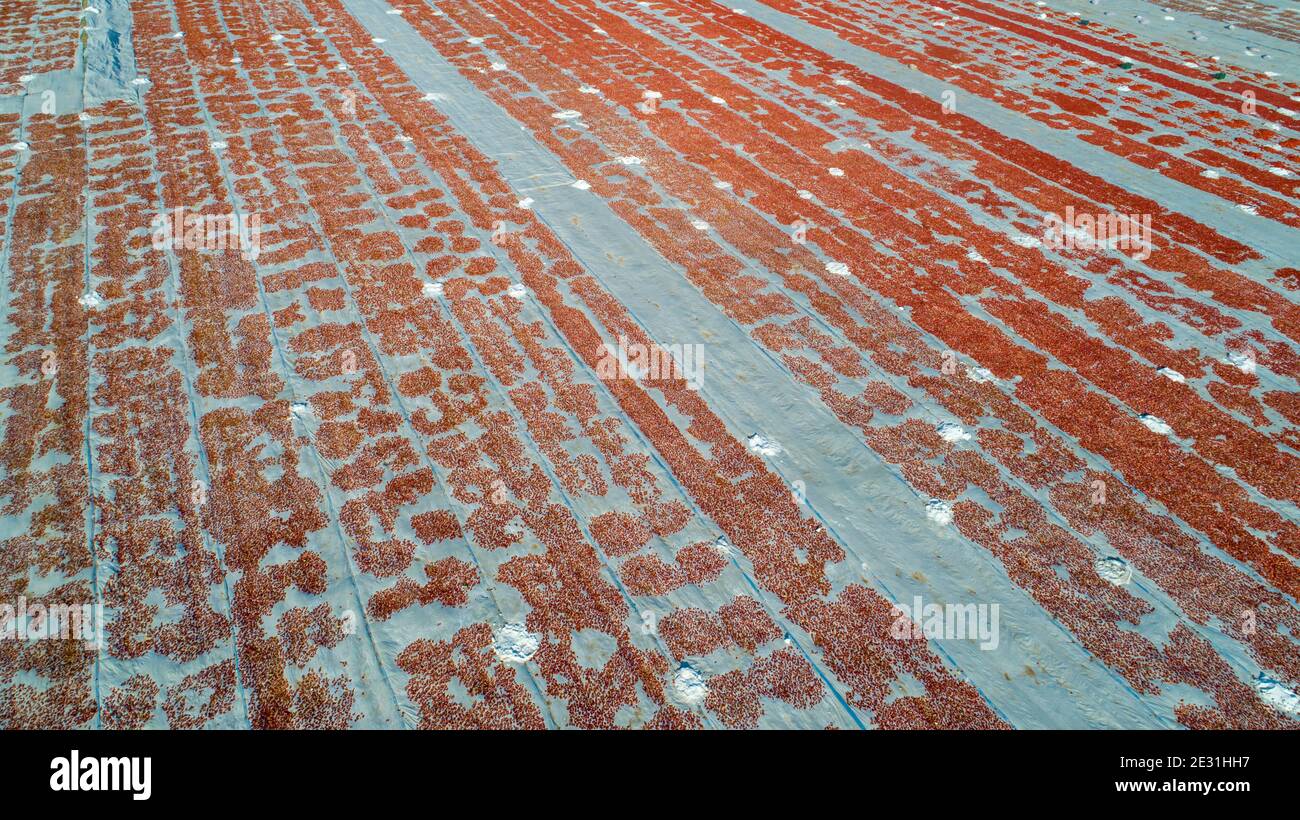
{"type": "Point", "coordinates": [723, 547]}
{"type": "Point", "coordinates": [513, 643]}
{"type": "Point", "coordinates": [1156, 424]}
{"type": "Point", "coordinates": [1243, 360]}
{"type": "Point", "coordinates": [1273, 693]}
{"type": "Point", "coordinates": [762, 445]}
{"type": "Point", "coordinates": [953, 432]}
{"type": "Point", "coordinates": [938, 511]}
{"type": "Point", "coordinates": [1114, 570]}
{"type": "Point", "coordinates": [689, 687]}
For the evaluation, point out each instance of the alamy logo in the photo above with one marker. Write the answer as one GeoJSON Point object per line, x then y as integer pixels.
{"type": "Point", "coordinates": [179, 230]}
{"type": "Point", "coordinates": [651, 362]}
{"type": "Point", "coordinates": [1087, 232]}
{"type": "Point", "coordinates": [960, 622]}
{"type": "Point", "coordinates": [102, 774]}
{"type": "Point", "coordinates": [37, 621]}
